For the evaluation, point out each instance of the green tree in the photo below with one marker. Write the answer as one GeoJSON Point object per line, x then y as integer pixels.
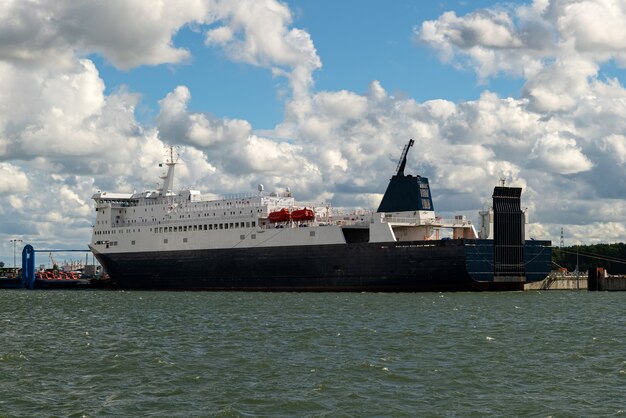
{"type": "Point", "coordinates": [610, 256]}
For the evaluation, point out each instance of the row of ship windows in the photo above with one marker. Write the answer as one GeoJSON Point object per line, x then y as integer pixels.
{"type": "Point", "coordinates": [110, 243]}
{"type": "Point", "coordinates": [165, 241]}
{"type": "Point", "coordinates": [232, 213]}
{"type": "Point", "coordinates": [121, 231]}
{"type": "Point", "coordinates": [189, 209]}
{"type": "Point", "coordinates": [203, 206]}
{"type": "Point", "coordinates": [205, 227]}
{"type": "Point", "coordinates": [241, 237]}
{"type": "Point", "coordinates": [104, 222]}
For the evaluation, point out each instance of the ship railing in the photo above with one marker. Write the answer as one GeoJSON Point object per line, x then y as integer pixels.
{"type": "Point", "coordinates": [312, 205]}
{"type": "Point", "coordinates": [201, 207]}
{"type": "Point", "coordinates": [406, 220]}
{"type": "Point", "coordinates": [356, 215]}
{"type": "Point", "coordinates": [437, 222]}
{"type": "Point", "coordinates": [319, 221]}
{"type": "Point", "coordinates": [352, 213]}
{"type": "Point", "coordinates": [452, 223]}
{"type": "Point", "coordinates": [347, 219]}
{"type": "Point", "coordinates": [346, 222]}
{"type": "Point", "coordinates": [238, 196]}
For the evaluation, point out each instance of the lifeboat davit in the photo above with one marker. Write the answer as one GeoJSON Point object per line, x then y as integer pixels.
{"type": "Point", "coordinates": [303, 215]}
{"type": "Point", "coordinates": [282, 215]}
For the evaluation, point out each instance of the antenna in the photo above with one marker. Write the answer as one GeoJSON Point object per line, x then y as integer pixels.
{"type": "Point", "coordinates": [561, 243]}
{"type": "Point", "coordinates": [171, 147]}
{"type": "Point", "coordinates": [402, 162]}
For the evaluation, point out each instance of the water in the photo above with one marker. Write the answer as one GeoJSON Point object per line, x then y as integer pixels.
{"type": "Point", "coordinates": [104, 353]}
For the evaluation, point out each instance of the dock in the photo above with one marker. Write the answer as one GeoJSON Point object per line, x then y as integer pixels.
{"type": "Point", "coordinates": [599, 279]}
{"type": "Point", "coordinates": [557, 280]}
{"type": "Point", "coordinates": [595, 280]}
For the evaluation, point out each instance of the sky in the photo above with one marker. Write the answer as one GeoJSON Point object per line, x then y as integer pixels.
{"type": "Point", "coordinates": [318, 96]}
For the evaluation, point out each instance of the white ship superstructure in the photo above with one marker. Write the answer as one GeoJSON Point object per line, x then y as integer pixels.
{"type": "Point", "coordinates": [161, 220]}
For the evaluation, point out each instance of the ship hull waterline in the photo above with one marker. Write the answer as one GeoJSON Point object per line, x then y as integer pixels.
{"type": "Point", "coordinates": [373, 267]}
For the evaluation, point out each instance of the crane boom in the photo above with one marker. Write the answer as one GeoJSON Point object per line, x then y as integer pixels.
{"type": "Point", "coordinates": [402, 162]}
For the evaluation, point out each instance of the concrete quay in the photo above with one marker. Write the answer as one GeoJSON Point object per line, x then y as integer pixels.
{"type": "Point", "coordinates": [599, 279]}
{"type": "Point", "coordinates": [560, 281]}
{"type": "Point", "coordinates": [594, 280]}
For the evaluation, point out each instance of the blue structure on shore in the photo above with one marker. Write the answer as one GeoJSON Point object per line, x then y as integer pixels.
{"type": "Point", "coordinates": [28, 266]}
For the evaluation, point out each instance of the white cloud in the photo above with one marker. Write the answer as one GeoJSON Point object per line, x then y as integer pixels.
{"type": "Point", "coordinates": [12, 179]}
{"type": "Point", "coordinates": [489, 41]}
{"type": "Point", "coordinates": [202, 130]}
{"type": "Point", "coordinates": [556, 45]}
{"type": "Point", "coordinates": [597, 27]}
{"type": "Point", "coordinates": [63, 114]}
{"type": "Point", "coordinates": [492, 29]}
{"type": "Point", "coordinates": [257, 32]}
{"type": "Point", "coordinates": [595, 232]}
{"type": "Point", "coordinates": [560, 155]}
{"type": "Point", "coordinates": [128, 33]}
{"type": "Point", "coordinates": [615, 145]}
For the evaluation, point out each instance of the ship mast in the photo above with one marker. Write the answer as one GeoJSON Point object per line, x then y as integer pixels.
{"type": "Point", "coordinates": [168, 179]}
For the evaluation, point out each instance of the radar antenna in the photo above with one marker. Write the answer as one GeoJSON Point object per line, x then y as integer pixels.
{"type": "Point", "coordinates": [402, 162]}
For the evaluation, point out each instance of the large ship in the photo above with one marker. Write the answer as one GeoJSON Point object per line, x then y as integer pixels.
{"type": "Point", "coordinates": [160, 239]}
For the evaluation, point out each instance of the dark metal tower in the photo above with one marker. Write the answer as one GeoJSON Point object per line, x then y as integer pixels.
{"type": "Point", "coordinates": [406, 192]}
{"type": "Point", "coordinates": [508, 238]}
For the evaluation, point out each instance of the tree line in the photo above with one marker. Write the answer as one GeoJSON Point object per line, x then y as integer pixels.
{"type": "Point", "coordinates": [611, 257]}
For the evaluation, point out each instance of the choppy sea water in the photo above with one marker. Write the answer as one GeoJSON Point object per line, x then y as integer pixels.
{"type": "Point", "coordinates": [106, 353]}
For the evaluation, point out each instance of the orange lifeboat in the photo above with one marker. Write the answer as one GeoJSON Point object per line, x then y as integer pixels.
{"type": "Point", "coordinates": [303, 215]}
{"type": "Point", "coordinates": [282, 215]}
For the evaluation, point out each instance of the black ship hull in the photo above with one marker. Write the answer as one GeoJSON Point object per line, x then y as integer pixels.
{"type": "Point", "coordinates": [400, 266]}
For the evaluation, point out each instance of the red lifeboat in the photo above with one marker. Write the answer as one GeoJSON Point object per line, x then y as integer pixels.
{"type": "Point", "coordinates": [282, 215]}
{"type": "Point", "coordinates": [303, 215]}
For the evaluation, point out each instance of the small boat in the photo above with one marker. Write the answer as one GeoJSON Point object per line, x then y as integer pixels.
{"type": "Point", "coordinates": [303, 215]}
{"type": "Point", "coordinates": [282, 215]}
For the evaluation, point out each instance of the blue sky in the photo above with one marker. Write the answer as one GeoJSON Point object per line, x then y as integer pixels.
{"type": "Point", "coordinates": [357, 41]}
{"type": "Point", "coordinates": [318, 96]}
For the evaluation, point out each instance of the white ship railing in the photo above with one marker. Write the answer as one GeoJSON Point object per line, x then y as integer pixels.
{"type": "Point", "coordinates": [428, 222]}
{"type": "Point", "coordinates": [238, 196]}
